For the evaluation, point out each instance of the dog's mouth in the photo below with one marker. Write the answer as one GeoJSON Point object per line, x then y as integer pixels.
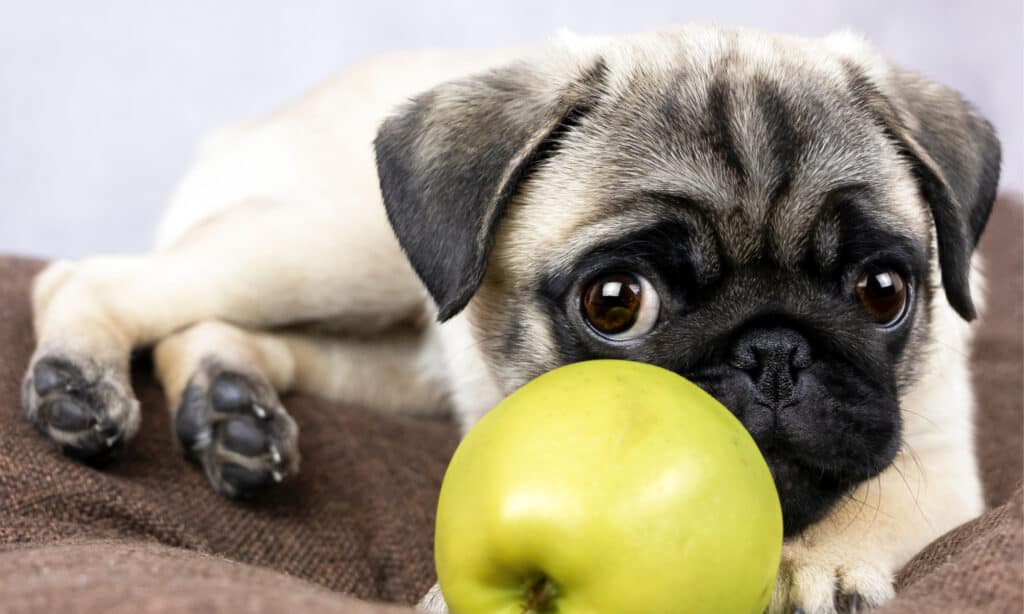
{"type": "Point", "coordinates": [818, 446]}
{"type": "Point", "coordinates": [812, 479]}
{"type": "Point", "coordinates": [807, 493]}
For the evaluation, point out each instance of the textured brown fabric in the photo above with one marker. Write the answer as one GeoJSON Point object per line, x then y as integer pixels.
{"type": "Point", "coordinates": [146, 534]}
{"type": "Point", "coordinates": [999, 354]}
{"type": "Point", "coordinates": [977, 567]}
{"type": "Point", "coordinates": [357, 519]}
{"type": "Point", "coordinates": [133, 576]}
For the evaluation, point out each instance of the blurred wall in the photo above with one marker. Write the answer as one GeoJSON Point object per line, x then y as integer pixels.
{"type": "Point", "coordinates": [102, 103]}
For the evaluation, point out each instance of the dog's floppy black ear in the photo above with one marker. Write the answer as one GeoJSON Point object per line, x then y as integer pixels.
{"type": "Point", "coordinates": [954, 155]}
{"type": "Point", "coordinates": [451, 159]}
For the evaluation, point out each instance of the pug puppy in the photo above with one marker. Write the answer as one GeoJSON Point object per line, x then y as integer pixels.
{"type": "Point", "coordinates": [787, 222]}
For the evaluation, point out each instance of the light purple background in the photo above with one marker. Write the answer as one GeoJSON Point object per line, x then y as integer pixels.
{"type": "Point", "coordinates": [102, 103]}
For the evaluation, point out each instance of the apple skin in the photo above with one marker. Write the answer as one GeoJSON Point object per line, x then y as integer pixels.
{"type": "Point", "coordinates": [616, 487]}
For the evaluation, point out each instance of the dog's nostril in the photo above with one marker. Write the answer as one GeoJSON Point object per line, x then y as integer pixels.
{"type": "Point", "coordinates": [745, 361]}
{"type": "Point", "coordinates": [801, 357]}
{"type": "Point", "coordinates": [759, 348]}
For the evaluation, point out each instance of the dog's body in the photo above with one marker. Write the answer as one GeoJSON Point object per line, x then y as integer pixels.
{"type": "Point", "coordinates": [743, 183]}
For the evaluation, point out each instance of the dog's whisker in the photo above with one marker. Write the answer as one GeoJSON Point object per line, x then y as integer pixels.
{"type": "Point", "coordinates": [907, 449]}
{"type": "Point", "coordinates": [921, 416]}
{"type": "Point", "coordinates": [951, 348]}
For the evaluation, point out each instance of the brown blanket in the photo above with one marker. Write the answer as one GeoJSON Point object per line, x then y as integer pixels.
{"type": "Point", "coordinates": [146, 534]}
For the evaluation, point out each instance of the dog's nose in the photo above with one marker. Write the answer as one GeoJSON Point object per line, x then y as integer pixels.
{"type": "Point", "coordinates": [772, 358]}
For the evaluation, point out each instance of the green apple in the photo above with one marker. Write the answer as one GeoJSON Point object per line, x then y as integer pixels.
{"type": "Point", "coordinates": [613, 487]}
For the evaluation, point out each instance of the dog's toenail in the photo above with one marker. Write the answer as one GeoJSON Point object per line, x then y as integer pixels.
{"type": "Point", "coordinates": [110, 432]}
{"type": "Point", "coordinates": [277, 475]}
{"type": "Point", "coordinates": [260, 412]}
{"type": "Point", "coordinates": [275, 455]}
{"type": "Point", "coordinates": [202, 439]}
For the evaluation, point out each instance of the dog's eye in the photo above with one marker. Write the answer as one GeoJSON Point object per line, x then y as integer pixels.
{"type": "Point", "coordinates": [620, 306]}
{"type": "Point", "coordinates": [883, 295]}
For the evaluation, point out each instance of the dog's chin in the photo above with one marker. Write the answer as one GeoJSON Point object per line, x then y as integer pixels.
{"type": "Point", "coordinates": [807, 493]}
{"type": "Point", "coordinates": [834, 434]}
{"type": "Point", "coordinates": [813, 470]}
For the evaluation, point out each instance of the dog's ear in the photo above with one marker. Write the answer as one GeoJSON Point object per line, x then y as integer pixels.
{"type": "Point", "coordinates": [451, 159]}
{"type": "Point", "coordinates": [954, 155]}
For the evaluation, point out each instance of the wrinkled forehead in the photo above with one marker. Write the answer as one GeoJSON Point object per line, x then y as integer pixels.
{"type": "Point", "coordinates": [758, 136]}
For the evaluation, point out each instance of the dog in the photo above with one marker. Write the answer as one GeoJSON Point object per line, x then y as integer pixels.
{"type": "Point", "coordinates": [788, 222]}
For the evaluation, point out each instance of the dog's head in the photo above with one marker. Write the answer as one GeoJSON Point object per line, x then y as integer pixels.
{"type": "Point", "coordinates": [777, 219]}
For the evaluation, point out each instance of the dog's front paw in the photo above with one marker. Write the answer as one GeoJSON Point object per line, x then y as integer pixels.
{"type": "Point", "coordinates": [87, 409]}
{"type": "Point", "coordinates": [433, 602]}
{"type": "Point", "coordinates": [234, 425]}
{"type": "Point", "coordinates": [824, 581]}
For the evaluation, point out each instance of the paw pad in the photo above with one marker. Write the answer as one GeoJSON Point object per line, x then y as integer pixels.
{"type": "Point", "coordinates": [87, 410]}
{"type": "Point", "coordinates": [234, 425]}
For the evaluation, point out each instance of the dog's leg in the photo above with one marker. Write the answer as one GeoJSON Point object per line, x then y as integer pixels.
{"type": "Point", "coordinates": [257, 264]}
{"type": "Point", "coordinates": [848, 561]}
{"type": "Point", "coordinates": [222, 383]}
